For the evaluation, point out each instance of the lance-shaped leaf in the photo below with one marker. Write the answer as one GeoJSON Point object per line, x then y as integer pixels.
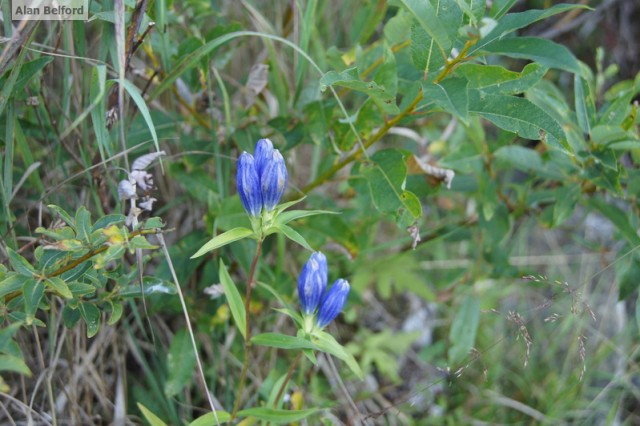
{"type": "Point", "coordinates": [233, 298]}
{"type": "Point", "coordinates": [544, 52]}
{"type": "Point", "coordinates": [327, 343]}
{"type": "Point", "coordinates": [513, 21]}
{"type": "Point", "coordinates": [223, 239]}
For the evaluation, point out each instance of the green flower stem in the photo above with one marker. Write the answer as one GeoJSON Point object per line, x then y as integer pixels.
{"type": "Point", "coordinates": [247, 341]}
{"type": "Point", "coordinates": [286, 380]}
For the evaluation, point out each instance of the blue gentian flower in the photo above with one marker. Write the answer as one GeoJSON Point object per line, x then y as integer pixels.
{"type": "Point", "coordinates": [261, 179]}
{"type": "Point", "coordinates": [262, 154]}
{"type": "Point", "coordinates": [273, 180]}
{"type": "Point", "coordinates": [332, 302]}
{"type": "Point", "coordinates": [312, 282]}
{"type": "Point", "coordinates": [248, 184]}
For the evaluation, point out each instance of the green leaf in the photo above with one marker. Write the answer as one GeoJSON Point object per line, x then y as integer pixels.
{"type": "Point", "coordinates": [15, 364]}
{"type": "Point", "coordinates": [463, 330]}
{"type": "Point", "coordinates": [233, 298]}
{"type": "Point", "coordinates": [20, 264]}
{"type": "Point", "coordinates": [153, 223]}
{"type": "Point", "coordinates": [106, 221]}
{"type": "Point", "coordinates": [223, 239]}
{"type": "Point", "coordinates": [291, 313]}
{"type": "Point", "coordinates": [134, 92]}
{"type": "Point", "coordinates": [451, 95]}
{"type": "Point", "coordinates": [58, 285]}
{"type": "Point", "coordinates": [584, 104]}
{"type": "Point", "coordinates": [425, 55]}
{"type": "Point", "coordinates": [70, 316]}
{"type": "Point", "coordinates": [116, 312]}
{"type": "Point", "coordinates": [181, 362]}
{"type": "Point", "coordinates": [282, 341]}
{"type": "Point", "coordinates": [499, 80]}
{"type": "Point", "coordinates": [141, 242]}
{"type": "Point", "coordinates": [210, 419]}
{"type": "Point", "coordinates": [350, 78]}
{"type": "Point", "coordinates": [513, 21]}
{"type": "Point", "coordinates": [83, 224]}
{"type": "Point", "coordinates": [27, 72]}
{"type": "Point", "coordinates": [396, 29]}
{"type": "Point", "coordinates": [63, 215]}
{"type": "Point", "coordinates": [517, 115]}
{"type": "Point", "coordinates": [150, 417]}
{"type": "Point", "coordinates": [277, 416]}
{"type": "Point", "coordinates": [289, 216]}
{"type": "Point", "coordinates": [542, 51]}
{"type": "Point", "coordinates": [79, 289]}
{"type": "Point", "coordinates": [386, 172]}
{"type": "Point", "coordinates": [58, 234]}
{"type": "Point", "coordinates": [91, 316]}
{"type": "Point", "coordinates": [619, 219]}
{"type": "Point", "coordinates": [520, 157]}
{"type": "Point", "coordinates": [427, 17]}
{"type": "Point", "coordinates": [282, 207]}
{"type": "Point", "coordinates": [327, 343]}
{"type": "Point", "coordinates": [294, 236]}
{"type": "Point", "coordinates": [567, 197]}
{"type": "Point", "coordinates": [387, 74]}
{"type": "Point", "coordinates": [12, 282]}
{"type": "Point", "coordinates": [474, 9]}
{"type": "Point", "coordinates": [32, 292]}
{"type": "Point", "coordinates": [6, 335]}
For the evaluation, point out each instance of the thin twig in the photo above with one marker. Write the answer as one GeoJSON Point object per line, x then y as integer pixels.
{"type": "Point", "coordinates": [189, 328]}
{"type": "Point", "coordinates": [286, 380]}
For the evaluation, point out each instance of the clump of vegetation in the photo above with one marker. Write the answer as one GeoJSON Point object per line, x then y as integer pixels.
{"type": "Point", "coordinates": [181, 182]}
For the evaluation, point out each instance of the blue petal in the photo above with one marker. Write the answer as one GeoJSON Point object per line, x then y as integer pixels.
{"type": "Point", "coordinates": [273, 180]}
{"type": "Point", "coordinates": [332, 302]}
{"type": "Point", "coordinates": [312, 282]}
{"type": "Point", "coordinates": [264, 149]}
{"type": "Point", "coordinates": [248, 184]}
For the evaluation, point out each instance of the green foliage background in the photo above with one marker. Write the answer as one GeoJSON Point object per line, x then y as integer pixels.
{"type": "Point", "coordinates": [486, 182]}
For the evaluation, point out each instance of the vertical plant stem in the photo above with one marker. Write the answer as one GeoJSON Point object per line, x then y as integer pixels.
{"type": "Point", "coordinates": [191, 335]}
{"type": "Point", "coordinates": [286, 380]}
{"type": "Point", "coordinates": [47, 373]}
{"type": "Point", "coordinates": [247, 340]}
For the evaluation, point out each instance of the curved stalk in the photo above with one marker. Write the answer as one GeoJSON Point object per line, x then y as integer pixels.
{"type": "Point", "coordinates": [247, 340]}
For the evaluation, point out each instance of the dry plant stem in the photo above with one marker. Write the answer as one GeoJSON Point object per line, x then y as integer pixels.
{"type": "Point", "coordinates": [449, 67]}
{"type": "Point", "coordinates": [47, 377]}
{"type": "Point", "coordinates": [247, 339]}
{"type": "Point", "coordinates": [286, 380]}
{"type": "Point", "coordinates": [357, 154]}
{"type": "Point", "coordinates": [191, 335]}
{"type": "Point", "coordinates": [82, 259]}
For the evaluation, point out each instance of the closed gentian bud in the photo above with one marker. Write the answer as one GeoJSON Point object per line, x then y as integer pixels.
{"type": "Point", "coordinates": [332, 302]}
{"type": "Point", "coordinates": [273, 180]}
{"type": "Point", "coordinates": [264, 149]}
{"type": "Point", "coordinates": [312, 282]}
{"type": "Point", "coordinates": [249, 184]}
